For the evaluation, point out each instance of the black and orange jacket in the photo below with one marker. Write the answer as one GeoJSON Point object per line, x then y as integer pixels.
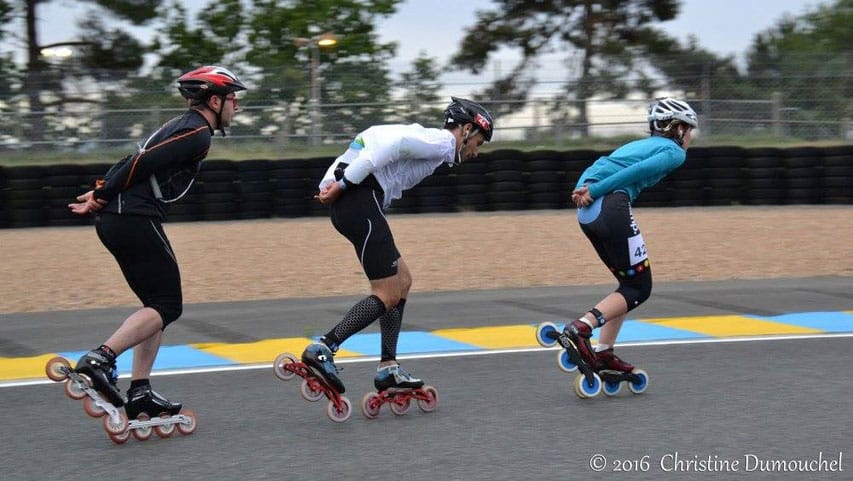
{"type": "Point", "coordinates": [160, 171]}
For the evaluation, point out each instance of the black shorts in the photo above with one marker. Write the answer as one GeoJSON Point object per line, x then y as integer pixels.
{"type": "Point", "coordinates": [145, 256]}
{"type": "Point", "coordinates": [610, 226]}
{"type": "Point", "coordinates": [357, 215]}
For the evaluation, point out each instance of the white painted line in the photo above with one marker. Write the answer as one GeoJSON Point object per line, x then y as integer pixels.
{"type": "Point", "coordinates": [480, 352]}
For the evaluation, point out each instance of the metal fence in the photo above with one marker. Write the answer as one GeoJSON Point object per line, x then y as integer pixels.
{"type": "Point", "coordinates": [93, 124]}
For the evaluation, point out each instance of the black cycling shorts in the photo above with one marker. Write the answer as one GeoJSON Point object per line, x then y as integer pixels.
{"type": "Point", "coordinates": [357, 215]}
{"type": "Point", "coordinates": [145, 256]}
{"type": "Point", "coordinates": [610, 226]}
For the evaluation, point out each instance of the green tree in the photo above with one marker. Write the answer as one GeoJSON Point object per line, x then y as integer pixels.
{"type": "Point", "coordinates": [714, 85]}
{"type": "Point", "coordinates": [281, 37]}
{"type": "Point", "coordinates": [43, 83]}
{"type": "Point", "coordinates": [608, 35]}
{"type": "Point", "coordinates": [272, 44]}
{"type": "Point", "coordinates": [420, 87]}
{"type": "Point", "coordinates": [806, 63]}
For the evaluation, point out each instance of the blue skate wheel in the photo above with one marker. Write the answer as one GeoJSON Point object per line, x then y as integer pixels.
{"type": "Point", "coordinates": [611, 388]}
{"type": "Point", "coordinates": [564, 362]}
{"type": "Point", "coordinates": [642, 384]}
{"type": "Point", "coordinates": [544, 333]}
{"type": "Point", "coordinates": [584, 390]}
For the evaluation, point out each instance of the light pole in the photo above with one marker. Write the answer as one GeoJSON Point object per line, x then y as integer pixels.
{"type": "Point", "coordinates": [314, 43]}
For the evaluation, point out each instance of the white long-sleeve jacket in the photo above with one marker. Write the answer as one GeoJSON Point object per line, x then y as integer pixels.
{"type": "Point", "coordinates": [399, 156]}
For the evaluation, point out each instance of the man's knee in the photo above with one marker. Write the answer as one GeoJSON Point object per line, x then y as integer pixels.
{"type": "Point", "coordinates": [405, 282]}
{"type": "Point", "coordinates": [169, 311]}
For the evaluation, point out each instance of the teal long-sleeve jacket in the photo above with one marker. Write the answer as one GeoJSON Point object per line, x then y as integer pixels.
{"type": "Point", "coordinates": [633, 167]}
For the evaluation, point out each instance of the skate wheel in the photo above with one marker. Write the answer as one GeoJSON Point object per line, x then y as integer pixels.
{"type": "Point", "coordinates": [74, 390]}
{"type": "Point", "coordinates": [544, 334]}
{"type": "Point", "coordinates": [92, 408]}
{"type": "Point", "coordinates": [165, 430]}
{"type": "Point", "coordinates": [279, 363]}
{"type": "Point", "coordinates": [640, 386]}
{"type": "Point", "coordinates": [142, 434]}
{"type": "Point", "coordinates": [56, 367]}
{"type": "Point", "coordinates": [188, 426]}
{"type": "Point", "coordinates": [116, 426]}
{"type": "Point", "coordinates": [584, 390]}
{"type": "Point", "coordinates": [564, 361]}
{"type": "Point", "coordinates": [611, 388]}
{"type": "Point", "coordinates": [308, 393]}
{"type": "Point", "coordinates": [120, 438]}
{"type": "Point", "coordinates": [429, 404]}
{"type": "Point", "coordinates": [370, 405]}
{"type": "Point", "coordinates": [400, 406]}
{"type": "Point", "coordinates": [342, 414]}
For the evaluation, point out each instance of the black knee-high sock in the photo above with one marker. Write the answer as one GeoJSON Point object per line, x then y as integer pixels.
{"type": "Point", "coordinates": [391, 323]}
{"type": "Point", "coordinates": [361, 315]}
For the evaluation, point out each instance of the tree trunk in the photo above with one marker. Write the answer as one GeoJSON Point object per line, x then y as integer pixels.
{"type": "Point", "coordinates": [33, 79]}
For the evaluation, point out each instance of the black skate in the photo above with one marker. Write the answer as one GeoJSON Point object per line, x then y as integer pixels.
{"type": "Point", "coordinates": [396, 387]}
{"type": "Point", "coordinates": [319, 378]}
{"type": "Point", "coordinates": [79, 385]}
{"type": "Point", "coordinates": [103, 374]}
{"type": "Point", "coordinates": [319, 357]}
{"type": "Point", "coordinates": [395, 377]}
{"type": "Point", "coordinates": [144, 400]}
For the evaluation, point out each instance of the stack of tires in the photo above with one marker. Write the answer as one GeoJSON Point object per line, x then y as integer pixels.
{"type": "Point", "coordinates": [764, 173]}
{"type": "Point", "coordinates": [804, 169]}
{"type": "Point", "coordinates": [549, 185]}
{"type": "Point", "coordinates": [254, 189]}
{"type": "Point", "coordinates": [837, 174]}
{"type": "Point", "coordinates": [507, 179]}
{"type": "Point", "coordinates": [39, 195]}
{"type": "Point", "coordinates": [289, 179]}
{"type": "Point", "coordinates": [472, 185]}
{"type": "Point", "coordinates": [216, 190]}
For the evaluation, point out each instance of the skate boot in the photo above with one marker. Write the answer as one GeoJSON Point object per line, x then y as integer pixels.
{"type": "Point", "coordinates": [614, 371]}
{"type": "Point", "coordinates": [143, 399]}
{"type": "Point", "coordinates": [395, 377]}
{"type": "Point", "coordinates": [97, 366]}
{"type": "Point", "coordinates": [606, 360]}
{"type": "Point", "coordinates": [319, 358]}
{"type": "Point", "coordinates": [579, 333]}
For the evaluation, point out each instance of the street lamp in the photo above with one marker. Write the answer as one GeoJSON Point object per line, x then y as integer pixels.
{"type": "Point", "coordinates": [327, 39]}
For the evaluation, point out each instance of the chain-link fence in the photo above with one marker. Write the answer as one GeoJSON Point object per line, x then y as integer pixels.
{"type": "Point", "coordinates": [807, 108]}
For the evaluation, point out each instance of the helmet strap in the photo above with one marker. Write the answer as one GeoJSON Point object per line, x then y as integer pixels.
{"type": "Point", "coordinates": [219, 114]}
{"type": "Point", "coordinates": [464, 143]}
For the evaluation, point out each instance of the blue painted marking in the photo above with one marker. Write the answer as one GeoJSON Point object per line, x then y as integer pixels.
{"type": "Point", "coordinates": [169, 357]}
{"type": "Point", "coordinates": [633, 331]}
{"type": "Point", "coordinates": [825, 321]}
{"type": "Point", "coordinates": [410, 342]}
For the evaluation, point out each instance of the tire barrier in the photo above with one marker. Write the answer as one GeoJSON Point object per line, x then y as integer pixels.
{"type": "Point", "coordinates": [501, 180]}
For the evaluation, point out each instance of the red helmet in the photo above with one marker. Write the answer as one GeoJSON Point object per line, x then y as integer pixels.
{"type": "Point", "coordinates": [209, 80]}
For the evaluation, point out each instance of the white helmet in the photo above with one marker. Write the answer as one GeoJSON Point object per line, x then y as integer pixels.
{"type": "Point", "coordinates": [668, 108]}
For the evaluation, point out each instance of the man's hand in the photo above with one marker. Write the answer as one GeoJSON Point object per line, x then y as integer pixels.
{"type": "Point", "coordinates": [87, 203]}
{"type": "Point", "coordinates": [329, 193]}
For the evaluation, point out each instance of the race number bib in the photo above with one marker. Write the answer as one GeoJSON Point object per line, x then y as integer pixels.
{"type": "Point", "coordinates": [637, 249]}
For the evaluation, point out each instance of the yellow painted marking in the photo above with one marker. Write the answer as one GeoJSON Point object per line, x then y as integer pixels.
{"type": "Point", "coordinates": [24, 367]}
{"type": "Point", "coordinates": [503, 337]}
{"type": "Point", "coordinates": [727, 326]}
{"type": "Point", "coordinates": [262, 351]}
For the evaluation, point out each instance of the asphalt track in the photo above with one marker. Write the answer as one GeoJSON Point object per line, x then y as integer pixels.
{"type": "Point", "coordinates": [719, 408]}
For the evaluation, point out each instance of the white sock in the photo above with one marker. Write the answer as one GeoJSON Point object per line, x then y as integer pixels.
{"type": "Point", "coordinates": [601, 347]}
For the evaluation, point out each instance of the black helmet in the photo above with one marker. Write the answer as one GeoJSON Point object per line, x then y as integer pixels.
{"type": "Point", "coordinates": [462, 111]}
{"type": "Point", "coordinates": [203, 82]}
